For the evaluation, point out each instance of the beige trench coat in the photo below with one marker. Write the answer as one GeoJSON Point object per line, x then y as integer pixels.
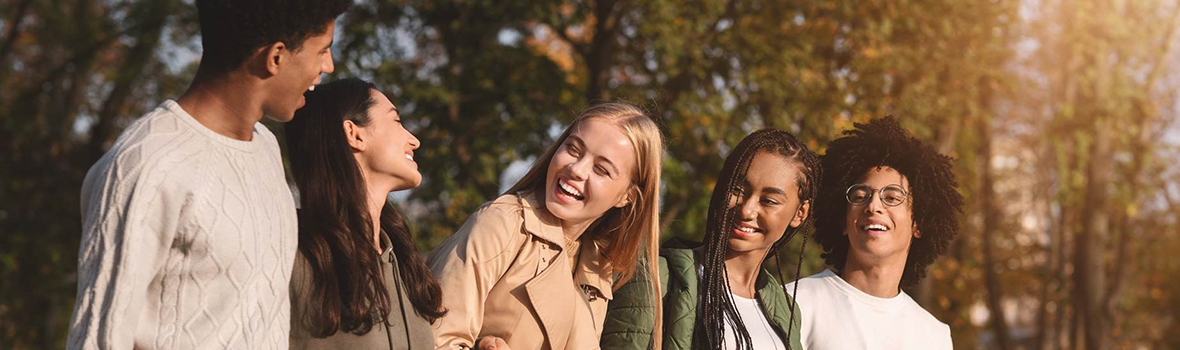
{"type": "Point", "coordinates": [505, 274]}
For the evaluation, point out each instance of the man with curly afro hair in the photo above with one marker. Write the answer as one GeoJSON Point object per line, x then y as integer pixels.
{"type": "Point", "coordinates": [887, 208]}
{"type": "Point", "coordinates": [188, 226]}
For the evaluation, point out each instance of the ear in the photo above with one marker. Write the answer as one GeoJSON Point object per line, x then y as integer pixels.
{"type": "Point", "coordinates": [917, 233]}
{"type": "Point", "coordinates": [355, 137]}
{"type": "Point", "coordinates": [627, 197]}
{"type": "Point", "coordinates": [276, 56]}
{"type": "Point", "coordinates": [801, 214]}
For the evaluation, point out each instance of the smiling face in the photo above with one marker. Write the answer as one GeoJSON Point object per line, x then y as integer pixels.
{"type": "Point", "coordinates": [590, 173]}
{"type": "Point", "coordinates": [385, 151]}
{"type": "Point", "coordinates": [877, 232]}
{"type": "Point", "coordinates": [298, 71]}
{"type": "Point", "coordinates": [770, 205]}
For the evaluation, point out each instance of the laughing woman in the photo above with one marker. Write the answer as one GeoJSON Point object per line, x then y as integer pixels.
{"type": "Point", "coordinates": [719, 293]}
{"type": "Point", "coordinates": [358, 282]}
{"type": "Point", "coordinates": [535, 268]}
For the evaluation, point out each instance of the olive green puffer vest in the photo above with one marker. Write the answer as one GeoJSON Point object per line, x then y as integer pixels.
{"type": "Point", "coordinates": [630, 316]}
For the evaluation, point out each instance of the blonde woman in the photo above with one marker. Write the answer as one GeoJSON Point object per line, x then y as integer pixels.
{"type": "Point", "coordinates": [536, 267]}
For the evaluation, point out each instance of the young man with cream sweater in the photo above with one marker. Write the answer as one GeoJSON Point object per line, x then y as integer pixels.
{"type": "Point", "coordinates": [189, 228]}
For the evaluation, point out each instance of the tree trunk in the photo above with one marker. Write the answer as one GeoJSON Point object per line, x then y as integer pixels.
{"type": "Point", "coordinates": [137, 58]}
{"type": "Point", "coordinates": [991, 223]}
{"type": "Point", "coordinates": [1048, 318]}
{"type": "Point", "coordinates": [1090, 275]}
{"type": "Point", "coordinates": [599, 56]}
{"type": "Point", "coordinates": [945, 140]}
{"type": "Point", "coordinates": [1063, 317]}
{"type": "Point", "coordinates": [10, 35]}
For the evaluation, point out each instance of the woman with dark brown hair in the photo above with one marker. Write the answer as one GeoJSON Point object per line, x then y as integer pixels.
{"type": "Point", "coordinates": [720, 292]}
{"type": "Point", "coordinates": [358, 281]}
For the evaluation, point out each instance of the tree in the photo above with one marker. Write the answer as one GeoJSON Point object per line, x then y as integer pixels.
{"type": "Point", "coordinates": [68, 64]}
{"type": "Point", "coordinates": [1057, 111]}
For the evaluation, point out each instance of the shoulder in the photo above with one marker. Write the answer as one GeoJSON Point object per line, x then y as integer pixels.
{"type": "Point", "coordinates": [501, 216]}
{"type": "Point", "coordinates": [487, 233]}
{"type": "Point", "coordinates": [264, 132]}
{"type": "Point", "coordinates": [508, 205]}
{"type": "Point", "coordinates": [631, 313]}
{"type": "Point", "coordinates": [678, 258]}
{"type": "Point", "coordinates": [266, 136]}
{"type": "Point", "coordinates": [155, 141]}
{"type": "Point", "coordinates": [939, 333]}
{"type": "Point", "coordinates": [812, 284]}
{"type": "Point", "coordinates": [160, 129]}
{"type": "Point", "coordinates": [148, 150]}
{"type": "Point", "coordinates": [637, 288]}
{"type": "Point", "coordinates": [924, 318]}
{"type": "Point", "coordinates": [680, 265]}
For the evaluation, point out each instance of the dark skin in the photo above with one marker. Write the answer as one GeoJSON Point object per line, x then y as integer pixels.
{"type": "Point", "coordinates": [770, 207]}
{"type": "Point", "coordinates": [270, 83]}
{"type": "Point", "coordinates": [876, 257]}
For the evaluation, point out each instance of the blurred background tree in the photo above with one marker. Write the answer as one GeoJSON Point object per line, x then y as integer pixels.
{"type": "Point", "coordinates": [1061, 115]}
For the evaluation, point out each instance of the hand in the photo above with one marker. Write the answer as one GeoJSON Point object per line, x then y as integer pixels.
{"type": "Point", "coordinates": [492, 343]}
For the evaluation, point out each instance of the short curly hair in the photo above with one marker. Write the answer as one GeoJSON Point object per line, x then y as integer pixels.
{"type": "Point", "coordinates": [232, 29]}
{"type": "Point", "coordinates": [936, 202]}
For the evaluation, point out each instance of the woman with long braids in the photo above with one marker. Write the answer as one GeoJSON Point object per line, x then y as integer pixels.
{"type": "Point", "coordinates": [719, 293]}
{"type": "Point", "coordinates": [358, 281]}
{"type": "Point", "coordinates": [535, 268]}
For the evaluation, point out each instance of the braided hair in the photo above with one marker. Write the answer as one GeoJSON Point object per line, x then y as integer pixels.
{"type": "Point", "coordinates": [715, 304]}
{"type": "Point", "coordinates": [936, 203]}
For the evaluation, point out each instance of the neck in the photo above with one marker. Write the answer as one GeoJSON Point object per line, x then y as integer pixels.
{"type": "Point", "coordinates": [378, 195]}
{"type": "Point", "coordinates": [574, 230]}
{"type": "Point", "coordinates": [742, 269]}
{"type": "Point", "coordinates": [227, 105]}
{"type": "Point", "coordinates": [879, 279]}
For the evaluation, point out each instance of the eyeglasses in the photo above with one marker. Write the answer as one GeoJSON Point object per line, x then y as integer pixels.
{"type": "Point", "coordinates": [861, 194]}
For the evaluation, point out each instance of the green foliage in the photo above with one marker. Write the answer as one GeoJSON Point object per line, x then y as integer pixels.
{"type": "Point", "coordinates": [486, 85]}
{"type": "Point", "coordinates": [71, 72]}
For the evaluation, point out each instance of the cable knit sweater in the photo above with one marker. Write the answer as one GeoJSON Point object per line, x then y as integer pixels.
{"type": "Point", "coordinates": [188, 240]}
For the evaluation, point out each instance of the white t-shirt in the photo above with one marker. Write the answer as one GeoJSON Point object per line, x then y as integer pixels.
{"type": "Point", "coordinates": [762, 335]}
{"type": "Point", "coordinates": [836, 315]}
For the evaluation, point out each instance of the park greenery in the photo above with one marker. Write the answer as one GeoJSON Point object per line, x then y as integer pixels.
{"type": "Point", "coordinates": [1061, 115]}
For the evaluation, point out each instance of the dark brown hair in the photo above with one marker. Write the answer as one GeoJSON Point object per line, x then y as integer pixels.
{"type": "Point", "coordinates": [715, 304]}
{"type": "Point", "coordinates": [335, 230]}
{"type": "Point", "coordinates": [232, 29]}
{"type": "Point", "coordinates": [936, 202]}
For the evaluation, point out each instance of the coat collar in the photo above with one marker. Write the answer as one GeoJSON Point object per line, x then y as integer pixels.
{"type": "Point", "coordinates": [593, 268]}
{"type": "Point", "coordinates": [539, 222]}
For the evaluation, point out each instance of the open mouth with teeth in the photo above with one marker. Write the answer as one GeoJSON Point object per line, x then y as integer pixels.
{"type": "Point", "coordinates": [743, 231]}
{"type": "Point", "coordinates": [410, 156]}
{"type": "Point", "coordinates": [874, 228]}
{"type": "Point", "coordinates": [568, 190]}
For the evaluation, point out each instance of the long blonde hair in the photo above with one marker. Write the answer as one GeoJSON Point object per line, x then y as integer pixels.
{"type": "Point", "coordinates": [628, 230]}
